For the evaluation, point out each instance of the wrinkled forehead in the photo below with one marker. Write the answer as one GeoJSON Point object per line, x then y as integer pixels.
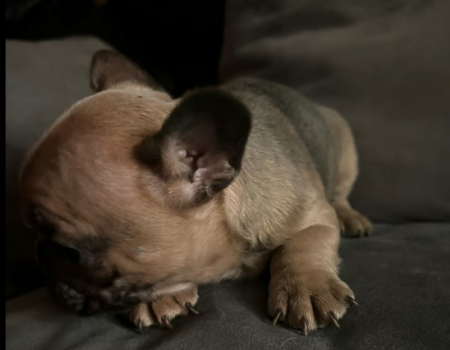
{"type": "Point", "coordinates": [87, 156]}
{"type": "Point", "coordinates": [72, 191]}
{"type": "Point", "coordinates": [104, 127]}
{"type": "Point", "coordinates": [113, 113]}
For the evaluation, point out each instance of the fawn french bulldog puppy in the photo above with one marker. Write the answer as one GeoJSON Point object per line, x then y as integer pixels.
{"type": "Point", "coordinates": [139, 198]}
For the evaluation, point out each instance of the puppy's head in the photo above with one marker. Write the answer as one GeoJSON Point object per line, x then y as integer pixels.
{"type": "Point", "coordinates": [125, 189]}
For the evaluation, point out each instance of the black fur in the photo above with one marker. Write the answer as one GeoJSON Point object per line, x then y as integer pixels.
{"type": "Point", "coordinates": [212, 127]}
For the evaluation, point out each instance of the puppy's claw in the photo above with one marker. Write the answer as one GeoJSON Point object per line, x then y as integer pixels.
{"type": "Point", "coordinates": [191, 308]}
{"type": "Point", "coordinates": [351, 301]}
{"type": "Point", "coordinates": [166, 322]}
{"type": "Point", "coordinates": [334, 320]}
{"type": "Point", "coordinates": [305, 328]}
{"type": "Point", "coordinates": [275, 320]}
{"type": "Point", "coordinates": [140, 325]}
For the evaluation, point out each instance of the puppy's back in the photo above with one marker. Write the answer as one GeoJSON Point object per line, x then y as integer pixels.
{"type": "Point", "coordinates": [276, 110]}
{"type": "Point", "coordinates": [289, 165]}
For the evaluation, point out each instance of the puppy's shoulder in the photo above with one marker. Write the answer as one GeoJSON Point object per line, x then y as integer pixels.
{"type": "Point", "coordinates": [278, 108]}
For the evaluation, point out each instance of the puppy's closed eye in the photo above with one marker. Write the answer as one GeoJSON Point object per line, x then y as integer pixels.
{"type": "Point", "coordinates": [48, 248]}
{"type": "Point", "coordinates": [66, 253]}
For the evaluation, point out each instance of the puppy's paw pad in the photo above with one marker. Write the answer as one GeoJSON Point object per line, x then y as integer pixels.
{"type": "Point", "coordinates": [309, 301]}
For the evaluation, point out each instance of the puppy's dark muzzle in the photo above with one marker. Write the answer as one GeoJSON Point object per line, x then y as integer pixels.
{"type": "Point", "coordinates": [73, 300]}
{"type": "Point", "coordinates": [92, 301]}
{"type": "Point", "coordinates": [70, 264]}
{"type": "Point", "coordinates": [82, 284]}
{"type": "Point", "coordinates": [66, 268]}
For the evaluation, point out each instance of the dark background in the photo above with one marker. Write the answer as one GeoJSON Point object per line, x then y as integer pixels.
{"type": "Point", "coordinates": [177, 41]}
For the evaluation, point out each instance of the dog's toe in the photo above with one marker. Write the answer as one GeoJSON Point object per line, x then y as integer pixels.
{"type": "Point", "coordinates": [164, 310]}
{"type": "Point", "coordinates": [141, 316]}
{"type": "Point", "coordinates": [309, 301]}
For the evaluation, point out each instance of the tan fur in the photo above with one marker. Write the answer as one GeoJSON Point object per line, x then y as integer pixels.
{"type": "Point", "coordinates": [84, 178]}
{"type": "Point", "coordinates": [352, 223]}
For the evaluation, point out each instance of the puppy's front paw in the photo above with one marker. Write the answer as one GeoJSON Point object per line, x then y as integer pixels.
{"type": "Point", "coordinates": [310, 300]}
{"type": "Point", "coordinates": [162, 311]}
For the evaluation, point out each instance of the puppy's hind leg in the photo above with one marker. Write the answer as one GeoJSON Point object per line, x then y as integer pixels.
{"type": "Point", "coordinates": [353, 224]}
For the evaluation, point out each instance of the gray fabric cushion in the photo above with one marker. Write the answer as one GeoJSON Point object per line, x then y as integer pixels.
{"type": "Point", "coordinates": [399, 276]}
{"type": "Point", "coordinates": [42, 80]}
{"type": "Point", "coordinates": [384, 65]}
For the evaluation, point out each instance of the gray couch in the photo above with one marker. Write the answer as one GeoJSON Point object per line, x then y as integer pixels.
{"type": "Point", "coordinates": [385, 66]}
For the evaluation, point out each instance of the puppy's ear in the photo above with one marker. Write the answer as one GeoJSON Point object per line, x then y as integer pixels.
{"type": "Point", "coordinates": [110, 69]}
{"type": "Point", "coordinates": [201, 144]}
